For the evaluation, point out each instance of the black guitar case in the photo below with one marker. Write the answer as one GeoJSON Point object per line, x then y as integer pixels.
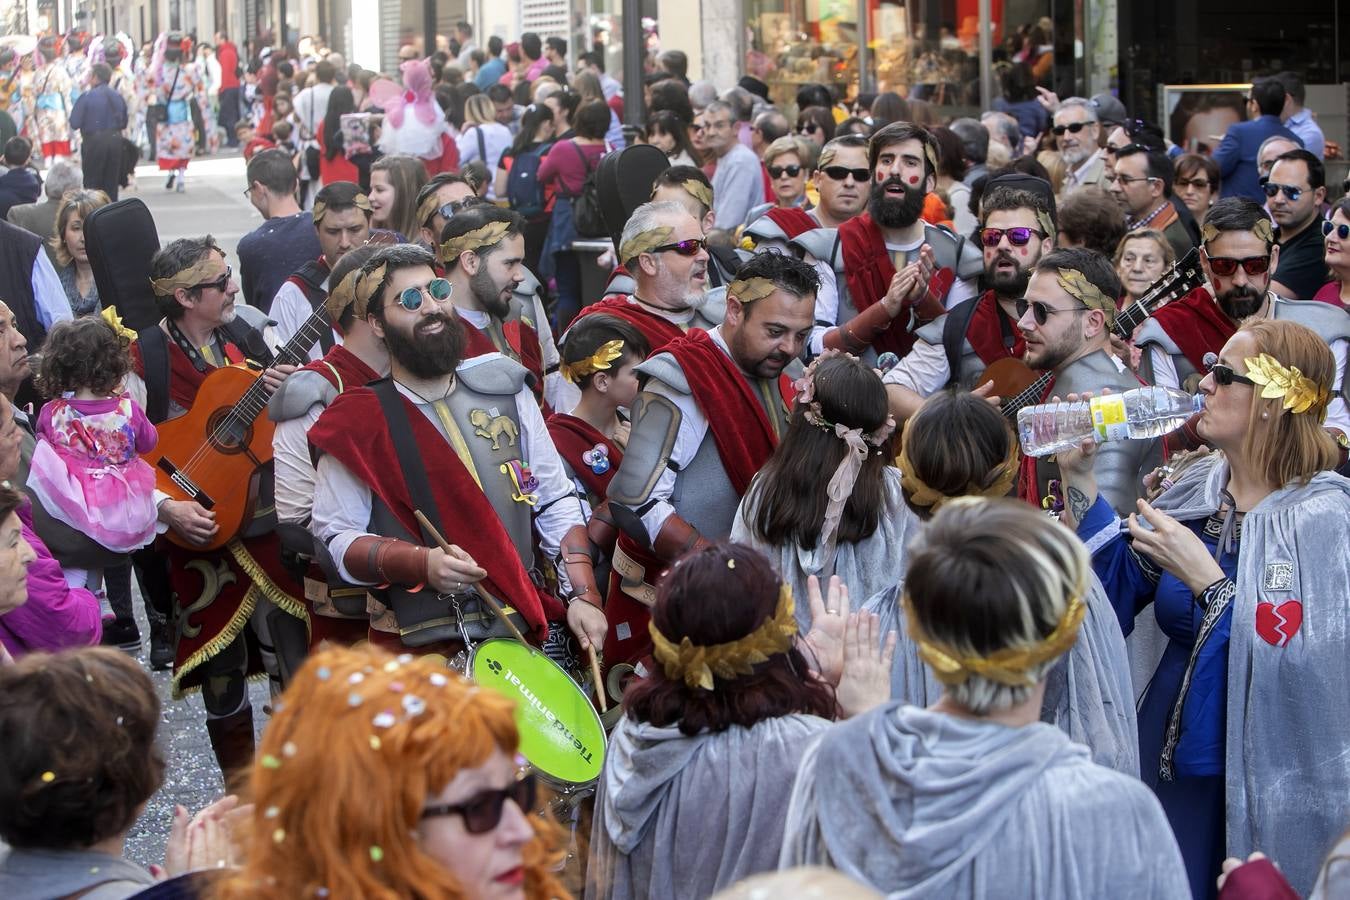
{"type": "Point", "coordinates": [121, 239]}
{"type": "Point", "coordinates": [624, 181]}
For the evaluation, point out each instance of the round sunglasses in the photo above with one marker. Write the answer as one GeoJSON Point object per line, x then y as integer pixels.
{"type": "Point", "coordinates": [1071, 129]}
{"type": "Point", "coordinates": [1018, 237]}
{"type": "Point", "coordinates": [411, 298]}
{"type": "Point", "coordinates": [839, 173]}
{"type": "Point", "coordinates": [780, 171]}
{"type": "Point", "coordinates": [1227, 265]}
{"type": "Point", "coordinates": [1224, 374]}
{"type": "Point", "coordinates": [1341, 230]}
{"type": "Point", "coordinates": [483, 811]}
{"type": "Point", "coordinates": [691, 247]}
{"type": "Point", "coordinates": [1042, 311]}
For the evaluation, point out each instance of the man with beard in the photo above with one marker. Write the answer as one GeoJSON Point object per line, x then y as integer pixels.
{"type": "Point", "coordinates": [342, 221]}
{"type": "Point", "coordinates": [713, 407]}
{"type": "Point", "coordinates": [841, 178]}
{"type": "Point", "coordinates": [464, 443]}
{"type": "Point", "coordinates": [226, 600]}
{"type": "Point", "coordinates": [1018, 228]}
{"type": "Point", "coordinates": [1076, 131]}
{"type": "Point", "coordinates": [483, 252]}
{"type": "Point", "coordinates": [893, 271]}
{"type": "Point", "coordinates": [1066, 317]}
{"type": "Point", "coordinates": [1238, 254]}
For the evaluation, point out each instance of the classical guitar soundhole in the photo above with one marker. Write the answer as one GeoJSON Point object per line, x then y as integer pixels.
{"type": "Point", "coordinates": [227, 434]}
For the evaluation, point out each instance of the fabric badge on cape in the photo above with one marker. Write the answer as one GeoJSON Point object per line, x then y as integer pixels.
{"type": "Point", "coordinates": [597, 458]}
{"type": "Point", "coordinates": [1277, 624]}
{"type": "Point", "coordinates": [1279, 577]}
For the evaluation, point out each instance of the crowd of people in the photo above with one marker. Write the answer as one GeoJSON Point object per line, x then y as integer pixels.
{"type": "Point", "coordinates": [751, 529]}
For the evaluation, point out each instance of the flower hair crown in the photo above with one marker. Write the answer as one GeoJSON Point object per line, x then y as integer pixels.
{"type": "Point", "coordinates": [1012, 666]}
{"type": "Point", "coordinates": [1299, 392]}
{"type": "Point", "coordinates": [598, 361]}
{"type": "Point", "coordinates": [696, 665]}
{"type": "Point", "coordinates": [812, 412]}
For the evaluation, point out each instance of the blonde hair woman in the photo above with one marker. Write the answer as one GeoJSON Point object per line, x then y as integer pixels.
{"type": "Point", "coordinates": [483, 139]}
{"type": "Point", "coordinates": [1141, 258]}
{"type": "Point", "coordinates": [68, 249]}
{"type": "Point", "coordinates": [1243, 560]}
{"type": "Point", "coordinates": [975, 790]}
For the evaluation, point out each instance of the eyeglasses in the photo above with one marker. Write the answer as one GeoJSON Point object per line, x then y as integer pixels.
{"type": "Point", "coordinates": [1342, 230]}
{"type": "Point", "coordinates": [1194, 182]}
{"type": "Point", "coordinates": [1224, 375]}
{"type": "Point", "coordinates": [1293, 193]}
{"type": "Point", "coordinates": [780, 171]}
{"type": "Point", "coordinates": [483, 811]}
{"type": "Point", "coordinates": [1042, 311]}
{"type": "Point", "coordinates": [1227, 265]}
{"type": "Point", "coordinates": [839, 173]}
{"type": "Point", "coordinates": [1127, 180]}
{"type": "Point", "coordinates": [690, 247]}
{"type": "Point", "coordinates": [1071, 129]}
{"type": "Point", "coordinates": [411, 298]}
{"type": "Point", "coordinates": [219, 284]}
{"type": "Point", "coordinates": [1018, 237]}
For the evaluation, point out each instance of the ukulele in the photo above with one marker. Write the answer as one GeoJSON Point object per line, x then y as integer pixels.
{"type": "Point", "coordinates": [212, 453]}
{"type": "Point", "coordinates": [1021, 386]}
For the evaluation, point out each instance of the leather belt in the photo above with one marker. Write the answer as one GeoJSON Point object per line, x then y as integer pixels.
{"type": "Point", "coordinates": [632, 578]}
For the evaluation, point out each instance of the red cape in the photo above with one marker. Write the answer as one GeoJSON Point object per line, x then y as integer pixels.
{"type": "Point", "coordinates": [1197, 325]}
{"type": "Point", "coordinates": [521, 340]}
{"type": "Point", "coordinates": [355, 432]}
{"type": "Point", "coordinates": [986, 334]}
{"type": "Point", "coordinates": [184, 379]}
{"type": "Point", "coordinates": [657, 330]}
{"type": "Point", "coordinates": [793, 220]}
{"type": "Point", "coordinates": [343, 369]}
{"type": "Point", "coordinates": [575, 438]}
{"type": "Point", "coordinates": [740, 427]}
{"type": "Point", "coordinates": [869, 268]}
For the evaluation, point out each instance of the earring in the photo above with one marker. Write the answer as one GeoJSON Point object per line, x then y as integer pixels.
{"type": "Point", "coordinates": [1265, 415]}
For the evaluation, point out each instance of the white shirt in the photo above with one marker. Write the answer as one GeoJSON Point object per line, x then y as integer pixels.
{"type": "Point", "coordinates": [496, 141]}
{"type": "Point", "coordinates": [291, 310]}
{"type": "Point", "coordinates": [924, 369]}
{"type": "Point", "coordinates": [293, 470]}
{"type": "Point", "coordinates": [342, 502]}
{"type": "Point", "coordinates": [51, 303]}
{"type": "Point", "coordinates": [311, 106]}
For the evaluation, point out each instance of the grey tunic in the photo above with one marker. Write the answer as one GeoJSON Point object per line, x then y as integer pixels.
{"type": "Point", "coordinates": [923, 804]}
{"type": "Point", "coordinates": [683, 817]}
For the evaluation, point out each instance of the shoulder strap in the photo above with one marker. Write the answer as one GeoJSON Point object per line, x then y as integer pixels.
{"type": "Point", "coordinates": [248, 339]}
{"type": "Point", "coordinates": [586, 163]}
{"type": "Point", "coordinates": [482, 143]}
{"type": "Point", "coordinates": [954, 336]}
{"type": "Point", "coordinates": [155, 362]}
{"type": "Point", "coordinates": [409, 459]}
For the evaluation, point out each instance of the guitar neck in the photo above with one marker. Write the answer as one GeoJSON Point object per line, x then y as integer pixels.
{"type": "Point", "coordinates": [1032, 394]}
{"type": "Point", "coordinates": [296, 350]}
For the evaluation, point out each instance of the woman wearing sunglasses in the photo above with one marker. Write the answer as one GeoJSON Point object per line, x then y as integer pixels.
{"type": "Point", "coordinates": [386, 778]}
{"type": "Point", "coordinates": [816, 124]}
{"type": "Point", "coordinates": [1243, 560]}
{"type": "Point", "coordinates": [788, 161]}
{"type": "Point", "coordinates": [1336, 234]}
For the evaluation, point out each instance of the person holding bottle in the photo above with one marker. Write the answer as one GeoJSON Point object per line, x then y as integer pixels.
{"type": "Point", "coordinates": [1243, 562]}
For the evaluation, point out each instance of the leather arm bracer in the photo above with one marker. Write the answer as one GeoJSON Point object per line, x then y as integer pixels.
{"type": "Point", "coordinates": [677, 538]}
{"type": "Point", "coordinates": [859, 333]}
{"type": "Point", "coordinates": [385, 560]}
{"type": "Point", "coordinates": [579, 564]}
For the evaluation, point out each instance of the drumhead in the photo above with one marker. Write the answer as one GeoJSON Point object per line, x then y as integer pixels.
{"type": "Point", "coordinates": [560, 733]}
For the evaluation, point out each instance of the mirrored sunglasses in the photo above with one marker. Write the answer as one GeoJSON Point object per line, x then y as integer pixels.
{"type": "Point", "coordinates": [411, 298]}
{"type": "Point", "coordinates": [1018, 237]}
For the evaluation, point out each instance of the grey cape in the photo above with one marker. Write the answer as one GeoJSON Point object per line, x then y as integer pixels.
{"type": "Point", "coordinates": [1287, 753]}
{"type": "Point", "coordinates": [45, 874]}
{"type": "Point", "coordinates": [922, 804]}
{"type": "Point", "coordinates": [1088, 693]}
{"type": "Point", "coordinates": [683, 817]}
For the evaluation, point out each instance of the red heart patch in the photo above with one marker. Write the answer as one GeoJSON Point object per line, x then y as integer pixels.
{"type": "Point", "coordinates": [1277, 625]}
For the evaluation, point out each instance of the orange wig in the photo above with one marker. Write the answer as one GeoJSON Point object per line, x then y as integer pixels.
{"type": "Point", "coordinates": [359, 741]}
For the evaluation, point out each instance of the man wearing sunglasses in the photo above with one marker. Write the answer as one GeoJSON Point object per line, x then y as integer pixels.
{"type": "Point", "coordinates": [482, 249]}
{"type": "Point", "coordinates": [841, 179]}
{"type": "Point", "coordinates": [1018, 229]}
{"type": "Point", "coordinates": [204, 328]}
{"type": "Point", "coordinates": [688, 186]}
{"type": "Point", "coordinates": [343, 224]}
{"type": "Point", "coordinates": [1237, 152]}
{"type": "Point", "coordinates": [1076, 132]}
{"type": "Point", "coordinates": [1294, 193]}
{"type": "Point", "coordinates": [712, 409]}
{"type": "Point", "coordinates": [490, 475]}
{"type": "Point", "coordinates": [1141, 184]}
{"type": "Point", "coordinates": [1239, 259]}
{"type": "Point", "coordinates": [438, 200]}
{"type": "Point", "coordinates": [892, 271]}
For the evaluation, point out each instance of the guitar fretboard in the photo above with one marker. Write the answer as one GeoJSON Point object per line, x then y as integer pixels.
{"type": "Point", "coordinates": [296, 351]}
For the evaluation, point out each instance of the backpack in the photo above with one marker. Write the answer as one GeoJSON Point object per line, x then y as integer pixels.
{"type": "Point", "coordinates": [587, 217]}
{"type": "Point", "coordinates": [523, 190]}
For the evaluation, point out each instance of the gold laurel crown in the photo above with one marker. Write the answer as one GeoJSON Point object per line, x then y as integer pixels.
{"type": "Point", "coordinates": [598, 361]}
{"type": "Point", "coordinates": [696, 665]}
{"type": "Point", "coordinates": [488, 235]}
{"type": "Point", "coordinates": [644, 242]}
{"type": "Point", "coordinates": [1278, 382]}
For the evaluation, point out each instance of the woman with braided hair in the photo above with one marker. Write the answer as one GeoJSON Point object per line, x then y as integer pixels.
{"type": "Point", "coordinates": [974, 795]}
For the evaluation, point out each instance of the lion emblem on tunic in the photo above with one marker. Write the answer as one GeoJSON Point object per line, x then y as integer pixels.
{"type": "Point", "coordinates": [493, 427]}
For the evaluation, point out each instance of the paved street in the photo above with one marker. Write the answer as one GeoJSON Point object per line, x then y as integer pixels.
{"type": "Point", "coordinates": [214, 202]}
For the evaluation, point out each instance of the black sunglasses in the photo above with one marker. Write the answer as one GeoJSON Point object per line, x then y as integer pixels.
{"type": "Point", "coordinates": [691, 247]}
{"type": "Point", "coordinates": [839, 173]}
{"type": "Point", "coordinates": [411, 298]}
{"type": "Point", "coordinates": [808, 128]}
{"type": "Point", "coordinates": [1042, 311]}
{"type": "Point", "coordinates": [1071, 129]}
{"type": "Point", "coordinates": [448, 210]}
{"type": "Point", "coordinates": [1224, 375]}
{"type": "Point", "coordinates": [483, 811]}
{"type": "Point", "coordinates": [1194, 182]}
{"type": "Point", "coordinates": [1018, 237]}
{"type": "Point", "coordinates": [1293, 193]}
{"type": "Point", "coordinates": [1227, 265]}
{"type": "Point", "coordinates": [219, 284]}
{"type": "Point", "coordinates": [780, 171]}
{"type": "Point", "coordinates": [1342, 231]}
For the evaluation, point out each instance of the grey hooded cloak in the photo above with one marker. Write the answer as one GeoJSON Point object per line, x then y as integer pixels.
{"type": "Point", "coordinates": [923, 804]}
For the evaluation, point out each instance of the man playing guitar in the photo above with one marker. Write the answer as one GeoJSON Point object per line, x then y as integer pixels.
{"type": "Point", "coordinates": [222, 596]}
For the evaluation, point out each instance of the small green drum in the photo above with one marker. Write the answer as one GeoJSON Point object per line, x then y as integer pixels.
{"type": "Point", "coordinates": [560, 733]}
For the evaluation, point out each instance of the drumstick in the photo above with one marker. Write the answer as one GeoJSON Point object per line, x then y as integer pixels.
{"type": "Point", "coordinates": [599, 685]}
{"type": "Point", "coordinates": [492, 603]}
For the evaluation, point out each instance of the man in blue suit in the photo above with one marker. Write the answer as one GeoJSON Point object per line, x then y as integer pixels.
{"type": "Point", "coordinates": [1236, 154]}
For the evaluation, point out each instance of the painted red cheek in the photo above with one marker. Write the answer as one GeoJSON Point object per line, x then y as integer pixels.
{"type": "Point", "coordinates": [1024, 250]}
{"type": "Point", "coordinates": [914, 179]}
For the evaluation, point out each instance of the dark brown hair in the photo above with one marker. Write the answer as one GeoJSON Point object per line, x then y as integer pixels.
{"type": "Point", "coordinates": [83, 353]}
{"type": "Point", "coordinates": [10, 498]}
{"type": "Point", "coordinates": [589, 333]}
{"type": "Point", "coordinates": [78, 730]}
{"type": "Point", "coordinates": [954, 441]}
{"type": "Point", "coordinates": [788, 497]}
{"type": "Point", "coordinates": [695, 601]}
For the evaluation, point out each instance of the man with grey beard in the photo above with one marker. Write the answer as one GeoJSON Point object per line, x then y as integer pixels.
{"type": "Point", "coordinates": [1076, 131]}
{"type": "Point", "coordinates": [1238, 253]}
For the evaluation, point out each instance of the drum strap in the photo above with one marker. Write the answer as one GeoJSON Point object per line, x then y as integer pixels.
{"type": "Point", "coordinates": [409, 460]}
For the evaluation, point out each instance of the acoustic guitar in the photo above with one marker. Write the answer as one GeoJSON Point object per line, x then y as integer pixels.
{"type": "Point", "coordinates": [1020, 385]}
{"type": "Point", "coordinates": [213, 452]}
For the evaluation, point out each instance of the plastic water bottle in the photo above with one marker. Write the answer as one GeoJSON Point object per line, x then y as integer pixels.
{"type": "Point", "coordinates": [1145, 412]}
